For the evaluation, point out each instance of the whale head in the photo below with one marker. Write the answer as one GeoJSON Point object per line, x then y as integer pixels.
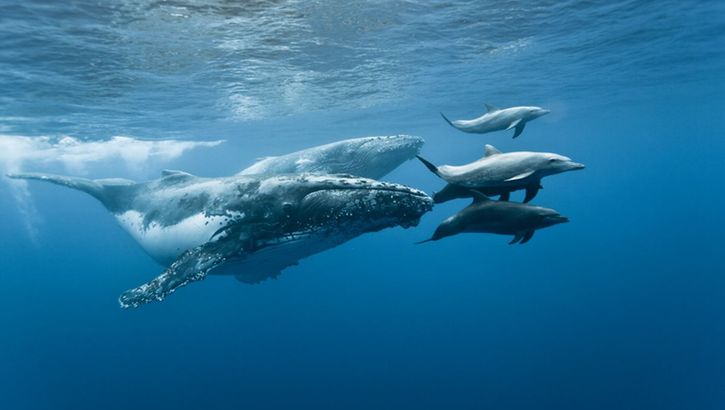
{"type": "Point", "coordinates": [339, 204]}
{"type": "Point", "coordinates": [372, 157]}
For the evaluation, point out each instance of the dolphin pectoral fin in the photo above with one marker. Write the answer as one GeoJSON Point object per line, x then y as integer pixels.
{"type": "Point", "coordinates": [514, 123]}
{"type": "Point", "coordinates": [520, 176]}
{"type": "Point", "coordinates": [527, 236]}
{"type": "Point", "coordinates": [531, 192]}
{"type": "Point", "coordinates": [505, 196]}
{"type": "Point", "coordinates": [193, 265]}
{"type": "Point", "coordinates": [519, 128]}
{"type": "Point", "coordinates": [517, 238]}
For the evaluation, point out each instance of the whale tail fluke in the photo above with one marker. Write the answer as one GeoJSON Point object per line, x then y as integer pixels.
{"type": "Point", "coordinates": [95, 188]}
{"type": "Point", "coordinates": [447, 120]}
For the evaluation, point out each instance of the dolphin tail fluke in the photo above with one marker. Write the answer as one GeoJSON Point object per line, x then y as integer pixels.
{"type": "Point", "coordinates": [447, 120]}
{"type": "Point", "coordinates": [86, 185]}
{"type": "Point", "coordinates": [429, 165]}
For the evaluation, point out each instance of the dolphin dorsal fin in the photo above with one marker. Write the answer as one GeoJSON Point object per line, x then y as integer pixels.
{"type": "Point", "coordinates": [490, 108]}
{"type": "Point", "coordinates": [490, 150]}
{"type": "Point", "coordinates": [478, 197]}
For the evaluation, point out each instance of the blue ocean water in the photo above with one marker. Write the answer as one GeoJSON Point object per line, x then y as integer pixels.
{"type": "Point", "coordinates": [622, 308]}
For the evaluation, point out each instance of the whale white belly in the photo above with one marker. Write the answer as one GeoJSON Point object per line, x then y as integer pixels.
{"type": "Point", "coordinates": [166, 243]}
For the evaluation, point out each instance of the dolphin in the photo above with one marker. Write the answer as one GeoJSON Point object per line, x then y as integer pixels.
{"type": "Point", "coordinates": [484, 215]}
{"type": "Point", "coordinates": [369, 157]}
{"type": "Point", "coordinates": [498, 173]}
{"type": "Point", "coordinates": [496, 119]}
{"type": "Point", "coordinates": [252, 226]}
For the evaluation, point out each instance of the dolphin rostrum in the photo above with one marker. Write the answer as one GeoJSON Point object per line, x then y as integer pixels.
{"type": "Point", "coordinates": [498, 173]}
{"type": "Point", "coordinates": [369, 157]}
{"type": "Point", "coordinates": [496, 119]}
{"type": "Point", "coordinates": [484, 215]}
{"type": "Point", "coordinates": [252, 226]}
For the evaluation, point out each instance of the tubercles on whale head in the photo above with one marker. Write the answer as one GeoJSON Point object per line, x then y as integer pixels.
{"type": "Point", "coordinates": [363, 205]}
{"type": "Point", "coordinates": [344, 202]}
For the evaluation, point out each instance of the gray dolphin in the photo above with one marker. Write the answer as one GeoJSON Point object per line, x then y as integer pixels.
{"type": "Point", "coordinates": [498, 173]}
{"type": "Point", "coordinates": [369, 157]}
{"type": "Point", "coordinates": [496, 119]}
{"type": "Point", "coordinates": [484, 215]}
{"type": "Point", "coordinates": [252, 227]}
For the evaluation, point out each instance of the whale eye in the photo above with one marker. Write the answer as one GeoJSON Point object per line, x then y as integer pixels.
{"type": "Point", "coordinates": [287, 207]}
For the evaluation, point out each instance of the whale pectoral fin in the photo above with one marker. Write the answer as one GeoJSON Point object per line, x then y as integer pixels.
{"type": "Point", "coordinates": [527, 236]}
{"type": "Point", "coordinates": [193, 265]}
{"type": "Point", "coordinates": [505, 196]}
{"type": "Point", "coordinates": [519, 128]}
{"type": "Point", "coordinates": [514, 123]}
{"type": "Point", "coordinates": [517, 238]}
{"type": "Point", "coordinates": [531, 192]}
{"type": "Point", "coordinates": [520, 176]}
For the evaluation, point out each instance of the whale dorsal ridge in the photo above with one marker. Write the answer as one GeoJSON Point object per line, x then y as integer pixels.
{"type": "Point", "coordinates": [491, 150]}
{"type": "Point", "coordinates": [490, 108]}
{"type": "Point", "coordinates": [173, 177]}
{"type": "Point", "coordinates": [169, 172]}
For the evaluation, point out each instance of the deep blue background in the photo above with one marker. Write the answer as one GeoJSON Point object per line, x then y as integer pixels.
{"type": "Point", "coordinates": [621, 308]}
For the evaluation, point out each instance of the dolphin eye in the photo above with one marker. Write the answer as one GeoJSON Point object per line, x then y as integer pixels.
{"type": "Point", "coordinates": [553, 160]}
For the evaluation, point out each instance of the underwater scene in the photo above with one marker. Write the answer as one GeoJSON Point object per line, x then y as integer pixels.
{"type": "Point", "coordinates": [369, 204]}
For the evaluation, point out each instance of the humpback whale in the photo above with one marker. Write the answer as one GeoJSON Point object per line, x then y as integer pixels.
{"type": "Point", "coordinates": [369, 157]}
{"type": "Point", "coordinates": [484, 215]}
{"type": "Point", "coordinates": [250, 226]}
{"type": "Point", "coordinates": [498, 173]}
{"type": "Point", "coordinates": [496, 119]}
